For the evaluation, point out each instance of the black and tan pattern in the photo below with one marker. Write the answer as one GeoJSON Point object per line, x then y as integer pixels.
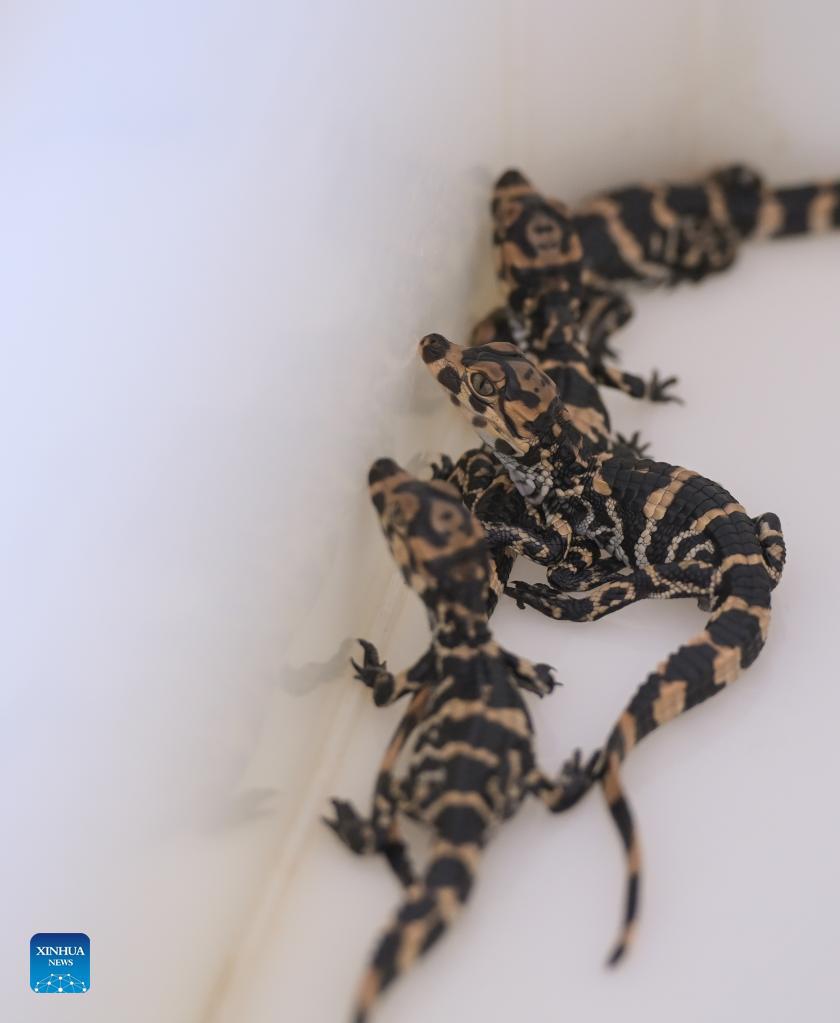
{"type": "Point", "coordinates": [561, 325]}
{"type": "Point", "coordinates": [671, 232]}
{"type": "Point", "coordinates": [612, 529]}
{"type": "Point", "coordinates": [471, 761]}
{"type": "Point", "coordinates": [557, 322]}
{"type": "Point", "coordinates": [651, 234]}
{"type": "Point", "coordinates": [557, 310]}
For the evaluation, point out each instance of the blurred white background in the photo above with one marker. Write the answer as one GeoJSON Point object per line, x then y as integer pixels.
{"type": "Point", "coordinates": [224, 226]}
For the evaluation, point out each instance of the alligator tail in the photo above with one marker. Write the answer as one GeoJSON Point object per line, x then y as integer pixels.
{"type": "Point", "coordinates": [799, 209]}
{"type": "Point", "coordinates": [772, 542]}
{"type": "Point", "coordinates": [732, 639]}
{"type": "Point", "coordinates": [429, 908]}
{"type": "Point", "coordinates": [620, 812]}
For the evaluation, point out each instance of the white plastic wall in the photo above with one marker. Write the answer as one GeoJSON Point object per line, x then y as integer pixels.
{"type": "Point", "coordinates": [224, 228]}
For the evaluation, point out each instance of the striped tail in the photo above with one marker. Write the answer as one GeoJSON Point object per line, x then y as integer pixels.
{"type": "Point", "coordinates": [758, 211]}
{"type": "Point", "coordinates": [620, 811]}
{"type": "Point", "coordinates": [800, 209]}
{"type": "Point", "coordinates": [773, 547]}
{"type": "Point", "coordinates": [732, 639]}
{"type": "Point", "coordinates": [429, 908]}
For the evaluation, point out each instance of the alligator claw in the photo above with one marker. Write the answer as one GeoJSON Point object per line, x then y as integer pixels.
{"type": "Point", "coordinates": [632, 443]}
{"type": "Point", "coordinates": [371, 668]}
{"type": "Point", "coordinates": [442, 470]}
{"type": "Point", "coordinates": [353, 830]}
{"type": "Point", "coordinates": [577, 778]}
{"type": "Point", "coordinates": [658, 389]}
{"type": "Point", "coordinates": [546, 678]}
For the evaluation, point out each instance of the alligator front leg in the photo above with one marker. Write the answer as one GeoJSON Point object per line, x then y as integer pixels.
{"type": "Point", "coordinates": [386, 686]}
{"type": "Point", "coordinates": [536, 678]}
{"type": "Point", "coordinates": [378, 834]}
{"type": "Point", "coordinates": [442, 469]}
{"type": "Point", "coordinates": [631, 445]}
{"type": "Point", "coordinates": [655, 389]}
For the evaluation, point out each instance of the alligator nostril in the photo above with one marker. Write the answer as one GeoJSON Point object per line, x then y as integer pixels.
{"type": "Point", "coordinates": [434, 347]}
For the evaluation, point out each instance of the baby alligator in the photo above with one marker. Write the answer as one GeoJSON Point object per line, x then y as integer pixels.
{"type": "Point", "coordinates": [472, 761]}
{"type": "Point", "coordinates": [617, 529]}
{"type": "Point", "coordinates": [556, 310]}
{"type": "Point", "coordinates": [650, 234]}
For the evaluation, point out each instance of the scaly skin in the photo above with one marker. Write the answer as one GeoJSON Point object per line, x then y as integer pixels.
{"type": "Point", "coordinates": [665, 233]}
{"type": "Point", "coordinates": [673, 232]}
{"type": "Point", "coordinates": [472, 761]}
{"type": "Point", "coordinates": [561, 269]}
{"type": "Point", "coordinates": [618, 529]}
{"type": "Point", "coordinates": [540, 263]}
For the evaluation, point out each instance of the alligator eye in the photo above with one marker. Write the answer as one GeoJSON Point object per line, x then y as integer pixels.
{"type": "Point", "coordinates": [482, 384]}
{"type": "Point", "coordinates": [398, 519]}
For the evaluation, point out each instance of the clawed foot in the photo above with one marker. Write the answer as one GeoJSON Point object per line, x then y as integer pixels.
{"type": "Point", "coordinates": [657, 390]}
{"type": "Point", "coordinates": [576, 778]}
{"type": "Point", "coordinates": [442, 470]}
{"type": "Point", "coordinates": [354, 831]}
{"type": "Point", "coordinates": [515, 590]}
{"type": "Point", "coordinates": [545, 681]}
{"type": "Point", "coordinates": [536, 678]}
{"type": "Point", "coordinates": [371, 670]}
{"type": "Point", "coordinates": [525, 593]}
{"type": "Point", "coordinates": [632, 444]}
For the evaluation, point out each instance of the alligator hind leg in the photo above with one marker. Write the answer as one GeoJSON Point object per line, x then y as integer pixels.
{"type": "Point", "coordinates": [380, 833]}
{"type": "Point", "coordinates": [575, 779]}
{"type": "Point", "coordinates": [367, 837]}
{"type": "Point", "coordinates": [656, 389]}
{"type": "Point", "coordinates": [610, 596]}
{"type": "Point", "coordinates": [385, 685]}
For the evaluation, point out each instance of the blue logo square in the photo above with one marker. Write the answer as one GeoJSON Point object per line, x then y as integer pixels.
{"type": "Point", "coordinates": [59, 963]}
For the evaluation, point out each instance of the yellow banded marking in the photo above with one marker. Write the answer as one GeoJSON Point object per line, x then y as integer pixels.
{"type": "Point", "coordinates": [473, 800]}
{"type": "Point", "coordinates": [456, 749]}
{"type": "Point", "coordinates": [670, 703]}
{"type": "Point", "coordinates": [715, 513]}
{"type": "Point", "coordinates": [511, 718]}
{"type": "Point", "coordinates": [469, 853]}
{"type": "Point", "coordinates": [659, 501]}
{"type": "Point", "coordinates": [771, 216]}
{"type": "Point", "coordinates": [629, 249]}
{"type": "Point", "coordinates": [717, 203]}
{"type": "Point", "coordinates": [740, 559]}
{"type": "Point", "coordinates": [627, 726]}
{"type": "Point", "coordinates": [662, 213]}
{"type": "Point", "coordinates": [821, 209]}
